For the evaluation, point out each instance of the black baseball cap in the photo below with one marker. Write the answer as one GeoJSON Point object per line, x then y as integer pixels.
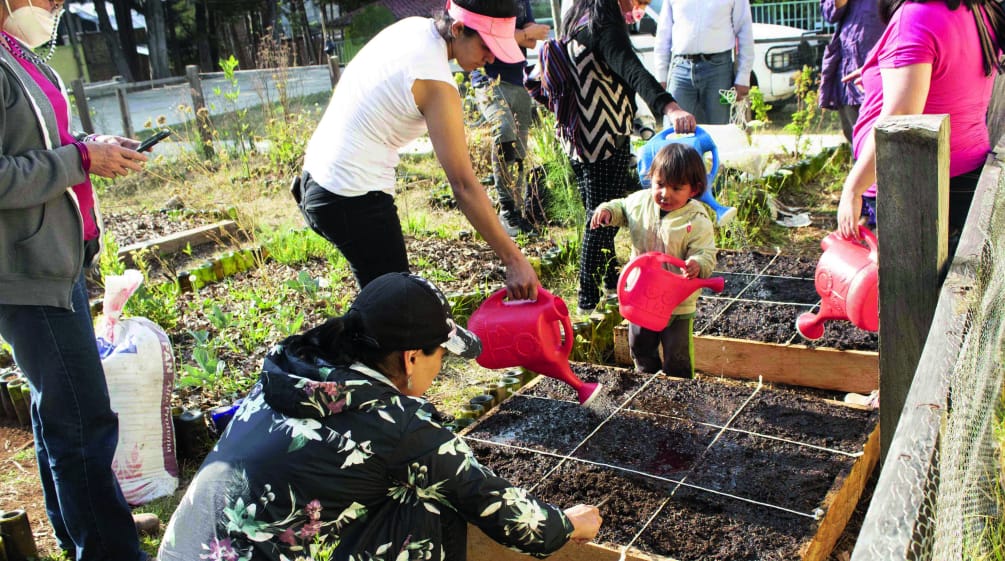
{"type": "Point", "coordinates": [402, 311]}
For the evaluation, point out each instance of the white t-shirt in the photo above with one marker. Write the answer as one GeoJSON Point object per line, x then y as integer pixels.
{"type": "Point", "coordinates": [372, 113]}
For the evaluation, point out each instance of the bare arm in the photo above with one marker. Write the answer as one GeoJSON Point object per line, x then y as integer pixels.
{"type": "Point", "coordinates": [440, 103]}
{"type": "Point", "coordinates": [905, 91]}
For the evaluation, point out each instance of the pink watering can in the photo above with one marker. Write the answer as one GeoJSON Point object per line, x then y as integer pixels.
{"type": "Point", "coordinates": [648, 292]}
{"type": "Point", "coordinates": [534, 334]}
{"type": "Point", "coordinates": [847, 280]}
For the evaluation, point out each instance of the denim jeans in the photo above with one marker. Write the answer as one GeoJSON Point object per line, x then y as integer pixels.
{"type": "Point", "coordinates": [366, 229]}
{"type": "Point", "coordinates": [509, 109]}
{"type": "Point", "coordinates": [76, 431]}
{"type": "Point", "coordinates": [695, 84]}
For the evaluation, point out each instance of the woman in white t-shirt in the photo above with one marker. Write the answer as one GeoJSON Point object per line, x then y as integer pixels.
{"type": "Point", "coordinates": [398, 87]}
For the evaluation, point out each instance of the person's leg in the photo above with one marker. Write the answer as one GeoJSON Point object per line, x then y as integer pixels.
{"type": "Point", "coordinates": [678, 347]}
{"type": "Point", "coordinates": [508, 153]}
{"type": "Point", "coordinates": [78, 431]}
{"type": "Point", "coordinates": [849, 116]}
{"type": "Point", "coordinates": [599, 182]}
{"type": "Point", "coordinates": [711, 76]}
{"type": "Point", "coordinates": [680, 84]}
{"type": "Point", "coordinates": [645, 348]}
{"type": "Point", "coordinates": [366, 229]}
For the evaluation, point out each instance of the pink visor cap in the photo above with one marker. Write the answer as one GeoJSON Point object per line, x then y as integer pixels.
{"type": "Point", "coordinates": [498, 33]}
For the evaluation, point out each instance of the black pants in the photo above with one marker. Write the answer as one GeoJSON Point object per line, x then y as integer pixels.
{"type": "Point", "coordinates": [678, 347]}
{"type": "Point", "coordinates": [599, 182]}
{"type": "Point", "coordinates": [366, 229]}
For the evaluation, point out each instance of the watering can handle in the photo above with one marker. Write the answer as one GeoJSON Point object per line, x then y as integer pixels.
{"type": "Point", "coordinates": [870, 240]}
{"type": "Point", "coordinates": [542, 294]}
{"type": "Point", "coordinates": [671, 259]}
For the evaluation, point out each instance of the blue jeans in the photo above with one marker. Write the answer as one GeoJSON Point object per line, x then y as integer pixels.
{"type": "Point", "coordinates": [76, 431]}
{"type": "Point", "coordinates": [695, 84]}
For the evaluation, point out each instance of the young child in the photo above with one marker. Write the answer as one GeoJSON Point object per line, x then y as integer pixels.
{"type": "Point", "coordinates": [666, 219]}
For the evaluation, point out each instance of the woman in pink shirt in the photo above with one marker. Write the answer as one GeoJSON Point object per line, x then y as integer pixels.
{"type": "Point", "coordinates": [935, 57]}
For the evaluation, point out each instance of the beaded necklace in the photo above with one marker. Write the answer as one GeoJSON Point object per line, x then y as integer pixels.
{"type": "Point", "coordinates": [15, 48]}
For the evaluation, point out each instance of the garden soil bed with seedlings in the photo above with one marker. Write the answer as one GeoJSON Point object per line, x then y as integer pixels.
{"type": "Point", "coordinates": [749, 329]}
{"type": "Point", "coordinates": [704, 469]}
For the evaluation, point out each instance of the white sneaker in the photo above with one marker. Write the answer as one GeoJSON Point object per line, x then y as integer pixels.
{"type": "Point", "coordinates": [510, 229]}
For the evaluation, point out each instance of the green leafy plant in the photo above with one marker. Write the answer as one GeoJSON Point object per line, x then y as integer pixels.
{"type": "Point", "coordinates": [807, 111]}
{"type": "Point", "coordinates": [208, 368]}
{"type": "Point", "coordinates": [564, 206]}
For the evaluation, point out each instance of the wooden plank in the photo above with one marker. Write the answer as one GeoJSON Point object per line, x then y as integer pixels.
{"type": "Point", "coordinates": [890, 527]}
{"type": "Point", "coordinates": [841, 501]}
{"type": "Point", "coordinates": [798, 365]}
{"type": "Point", "coordinates": [996, 112]}
{"type": "Point", "coordinates": [912, 172]}
{"type": "Point", "coordinates": [223, 230]}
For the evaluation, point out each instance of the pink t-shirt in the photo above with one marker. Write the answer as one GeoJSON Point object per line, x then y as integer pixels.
{"type": "Point", "coordinates": [932, 33]}
{"type": "Point", "coordinates": [84, 191]}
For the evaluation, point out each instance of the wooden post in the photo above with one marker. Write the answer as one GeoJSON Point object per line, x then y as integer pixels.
{"type": "Point", "coordinates": [912, 207]}
{"type": "Point", "coordinates": [127, 121]}
{"type": "Point", "coordinates": [83, 111]}
{"type": "Point", "coordinates": [334, 71]}
{"type": "Point", "coordinates": [996, 111]}
{"type": "Point", "coordinates": [200, 110]}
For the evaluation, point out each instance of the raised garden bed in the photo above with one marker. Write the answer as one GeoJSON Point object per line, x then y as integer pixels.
{"type": "Point", "coordinates": [709, 469]}
{"type": "Point", "coordinates": [749, 329]}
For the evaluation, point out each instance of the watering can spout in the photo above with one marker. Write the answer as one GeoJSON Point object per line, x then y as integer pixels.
{"type": "Point", "coordinates": [648, 293]}
{"type": "Point", "coordinates": [536, 335]}
{"type": "Point", "coordinates": [847, 280]}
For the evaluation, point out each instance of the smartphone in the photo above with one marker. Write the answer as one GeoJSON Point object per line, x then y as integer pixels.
{"type": "Point", "coordinates": [149, 143]}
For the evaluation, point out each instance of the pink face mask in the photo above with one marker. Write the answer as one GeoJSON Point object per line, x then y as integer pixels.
{"type": "Point", "coordinates": [635, 15]}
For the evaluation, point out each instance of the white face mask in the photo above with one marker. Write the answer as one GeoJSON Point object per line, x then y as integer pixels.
{"type": "Point", "coordinates": [31, 24]}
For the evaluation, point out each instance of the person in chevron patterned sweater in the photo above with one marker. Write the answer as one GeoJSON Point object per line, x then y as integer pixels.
{"type": "Point", "coordinates": [666, 218]}
{"type": "Point", "coordinates": [609, 74]}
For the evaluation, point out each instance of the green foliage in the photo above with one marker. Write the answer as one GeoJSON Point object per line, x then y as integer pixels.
{"type": "Point", "coordinates": [565, 206]}
{"type": "Point", "coordinates": [208, 368]}
{"type": "Point", "coordinates": [369, 21]}
{"type": "Point", "coordinates": [293, 246]}
{"type": "Point", "coordinates": [758, 108]}
{"type": "Point", "coordinates": [808, 110]}
{"type": "Point", "coordinates": [109, 262]}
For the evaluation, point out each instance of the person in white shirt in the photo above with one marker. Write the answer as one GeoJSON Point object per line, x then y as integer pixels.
{"type": "Point", "coordinates": [396, 88]}
{"type": "Point", "coordinates": [694, 47]}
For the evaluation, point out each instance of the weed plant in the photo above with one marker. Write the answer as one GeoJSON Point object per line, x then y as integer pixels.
{"type": "Point", "coordinates": [565, 207]}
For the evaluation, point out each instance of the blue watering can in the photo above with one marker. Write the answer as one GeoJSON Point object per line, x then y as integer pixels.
{"type": "Point", "coordinates": [700, 141]}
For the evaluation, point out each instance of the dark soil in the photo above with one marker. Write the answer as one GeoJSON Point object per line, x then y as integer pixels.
{"type": "Point", "coordinates": [632, 461]}
{"type": "Point", "coordinates": [619, 385]}
{"type": "Point", "coordinates": [530, 422]}
{"type": "Point", "coordinates": [700, 400]}
{"type": "Point", "coordinates": [698, 526]}
{"type": "Point", "coordinates": [793, 415]}
{"type": "Point", "coordinates": [774, 290]}
{"type": "Point", "coordinates": [128, 228]}
{"type": "Point", "coordinates": [756, 321]}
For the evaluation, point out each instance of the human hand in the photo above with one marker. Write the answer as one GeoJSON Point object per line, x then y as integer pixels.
{"type": "Point", "coordinates": [600, 218]}
{"type": "Point", "coordinates": [521, 280]}
{"type": "Point", "coordinates": [682, 121]}
{"type": "Point", "coordinates": [855, 78]}
{"type": "Point", "coordinates": [741, 91]}
{"type": "Point", "coordinates": [849, 213]}
{"type": "Point", "coordinates": [536, 31]}
{"type": "Point", "coordinates": [586, 521]}
{"type": "Point", "coordinates": [691, 268]}
{"type": "Point", "coordinates": [111, 159]}
{"type": "Point", "coordinates": [123, 141]}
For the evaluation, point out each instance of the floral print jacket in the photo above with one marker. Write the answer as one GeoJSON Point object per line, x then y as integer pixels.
{"type": "Point", "coordinates": [332, 462]}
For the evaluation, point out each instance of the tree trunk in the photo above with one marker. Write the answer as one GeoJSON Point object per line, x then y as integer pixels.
{"type": "Point", "coordinates": [202, 36]}
{"type": "Point", "coordinates": [111, 41]}
{"type": "Point", "coordinates": [127, 36]}
{"type": "Point", "coordinates": [157, 39]}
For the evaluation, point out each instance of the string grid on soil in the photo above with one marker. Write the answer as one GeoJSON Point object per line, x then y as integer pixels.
{"type": "Point", "coordinates": [693, 469]}
{"type": "Point", "coordinates": [763, 296]}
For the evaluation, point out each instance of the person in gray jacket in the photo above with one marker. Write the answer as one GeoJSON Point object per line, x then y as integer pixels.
{"type": "Point", "coordinates": [49, 232]}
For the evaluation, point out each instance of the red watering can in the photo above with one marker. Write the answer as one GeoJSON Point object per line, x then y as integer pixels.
{"type": "Point", "coordinates": [847, 280]}
{"type": "Point", "coordinates": [534, 334]}
{"type": "Point", "coordinates": [648, 292]}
